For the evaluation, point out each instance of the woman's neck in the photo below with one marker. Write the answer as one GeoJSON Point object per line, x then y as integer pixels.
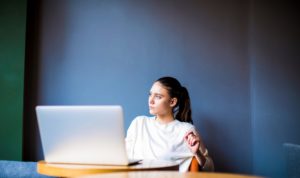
{"type": "Point", "coordinates": [165, 119]}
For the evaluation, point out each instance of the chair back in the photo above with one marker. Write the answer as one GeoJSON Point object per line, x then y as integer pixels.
{"type": "Point", "coordinates": [194, 166]}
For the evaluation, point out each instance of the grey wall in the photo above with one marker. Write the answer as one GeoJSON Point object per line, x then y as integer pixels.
{"type": "Point", "coordinates": [110, 52]}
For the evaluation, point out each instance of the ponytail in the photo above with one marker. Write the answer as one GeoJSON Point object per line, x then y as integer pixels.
{"type": "Point", "coordinates": [182, 110]}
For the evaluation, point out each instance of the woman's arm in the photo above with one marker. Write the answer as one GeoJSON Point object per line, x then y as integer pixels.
{"type": "Point", "coordinates": [204, 160]}
{"type": "Point", "coordinates": [131, 138]}
{"type": "Point", "coordinates": [197, 147]}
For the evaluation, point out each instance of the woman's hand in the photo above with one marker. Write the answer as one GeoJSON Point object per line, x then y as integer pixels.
{"type": "Point", "coordinates": [192, 138]}
{"type": "Point", "coordinates": [193, 141]}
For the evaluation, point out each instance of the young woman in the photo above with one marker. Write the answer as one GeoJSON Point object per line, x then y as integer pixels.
{"type": "Point", "coordinates": [169, 134]}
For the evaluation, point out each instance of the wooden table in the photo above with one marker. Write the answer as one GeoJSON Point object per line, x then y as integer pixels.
{"type": "Point", "coordinates": [69, 170]}
{"type": "Point", "coordinates": [167, 174]}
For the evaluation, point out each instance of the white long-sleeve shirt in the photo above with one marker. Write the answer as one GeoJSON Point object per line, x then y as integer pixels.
{"type": "Point", "coordinates": [148, 139]}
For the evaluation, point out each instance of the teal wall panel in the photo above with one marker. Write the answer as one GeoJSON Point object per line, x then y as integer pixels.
{"type": "Point", "coordinates": [12, 56]}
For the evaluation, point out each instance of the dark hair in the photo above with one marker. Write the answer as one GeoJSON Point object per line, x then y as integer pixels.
{"type": "Point", "coordinates": [182, 109]}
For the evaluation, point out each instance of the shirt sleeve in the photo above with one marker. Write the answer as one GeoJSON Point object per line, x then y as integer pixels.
{"type": "Point", "coordinates": [208, 165]}
{"type": "Point", "coordinates": [131, 138]}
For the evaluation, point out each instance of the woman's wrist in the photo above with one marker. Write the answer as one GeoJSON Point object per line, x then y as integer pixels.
{"type": "Point", "coordinates": [204, 153]}
{"type": "Point", "coordinates": [201, 157]}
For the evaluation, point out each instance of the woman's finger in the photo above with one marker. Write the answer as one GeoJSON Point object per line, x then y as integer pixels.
{"type": "Point", "coordinates": [192, 139]}
{"type": "Point", "coordinates": [188, 133]}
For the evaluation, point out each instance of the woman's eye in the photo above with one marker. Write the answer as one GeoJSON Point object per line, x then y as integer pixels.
{"type": "Point", "coordinates": [158, 97]}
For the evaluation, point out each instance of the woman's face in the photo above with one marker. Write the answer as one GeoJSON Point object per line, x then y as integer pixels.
{"type": "Point", "coordinates": [160, 102]}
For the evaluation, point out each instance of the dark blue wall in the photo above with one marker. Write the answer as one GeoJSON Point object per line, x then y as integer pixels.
{"type": "Point", "coordinates": [274, 53]}
{"type": "Point", "coordinates": [110, 52]}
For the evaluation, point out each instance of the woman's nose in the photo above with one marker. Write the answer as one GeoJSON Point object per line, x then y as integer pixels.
{"type": "Point", "coordinates": [150, 100]}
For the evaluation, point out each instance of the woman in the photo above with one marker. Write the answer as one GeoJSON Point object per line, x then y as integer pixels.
{"type": "Point", "coordinates": [169, 134]}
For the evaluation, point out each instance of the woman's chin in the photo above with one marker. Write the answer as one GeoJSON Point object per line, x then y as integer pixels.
{"type": "Point", "coordinates": [151, 112]}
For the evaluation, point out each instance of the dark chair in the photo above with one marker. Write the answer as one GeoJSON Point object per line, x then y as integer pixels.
{"type": "Point", "coordinates": [19, 169]}
{"type": "Point", "coordinates": [292, 152]}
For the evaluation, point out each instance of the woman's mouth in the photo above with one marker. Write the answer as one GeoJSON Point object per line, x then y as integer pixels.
{"type": "Point", "coordinates": [151, 107]}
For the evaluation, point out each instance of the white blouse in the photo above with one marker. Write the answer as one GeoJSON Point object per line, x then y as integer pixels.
{"type": "Point", "coordinates": [148, 139]}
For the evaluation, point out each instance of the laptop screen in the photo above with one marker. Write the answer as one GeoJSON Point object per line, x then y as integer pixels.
{"type": "Point", "coordinates": [82, 134]}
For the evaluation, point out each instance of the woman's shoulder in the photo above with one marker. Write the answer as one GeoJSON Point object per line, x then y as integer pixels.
{"type": "Point", "coordinates": [142, 119]}
{"type": "Point", "coordinates": [184, 125]}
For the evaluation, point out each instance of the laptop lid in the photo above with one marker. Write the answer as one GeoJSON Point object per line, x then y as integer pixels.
{"type": "Point", "coordinates": [82, 134]}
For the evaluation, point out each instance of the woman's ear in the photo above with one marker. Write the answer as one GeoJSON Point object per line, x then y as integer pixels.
{"type": "Point", "coordinates": [173, 102]}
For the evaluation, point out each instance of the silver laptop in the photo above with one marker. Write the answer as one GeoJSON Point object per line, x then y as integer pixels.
{"type": "Point", "coordinates": [83, 134]}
